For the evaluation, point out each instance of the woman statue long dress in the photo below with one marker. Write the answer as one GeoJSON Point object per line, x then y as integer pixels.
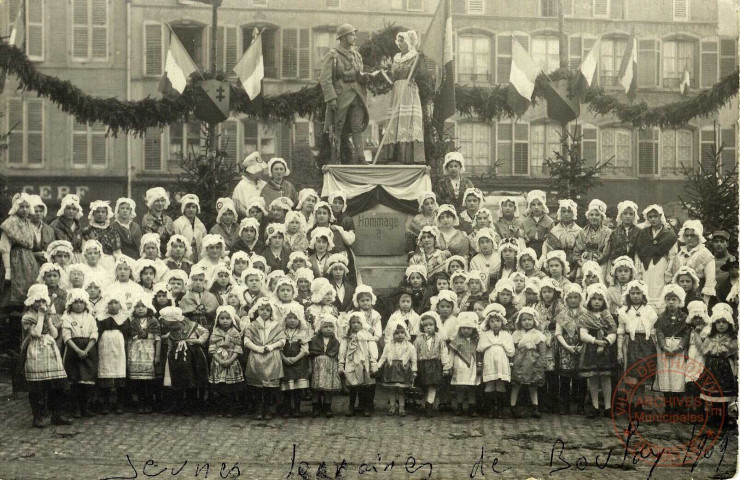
{"type": "Point", "coordinates": [405, 130]}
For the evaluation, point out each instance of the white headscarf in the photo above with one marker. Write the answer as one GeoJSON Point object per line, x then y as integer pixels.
{"type": "Point", "coordinates": [694, 225]}
{"type": "Point", "coordinates": [412, 40]}
{"type": "Point", "coordinates": [569, 204]}
{"type": "Point", "coordinates": [538, 195]}
{"type": "Point", "coordinates": [154, 194]}
{"type": "Point", "coordinates": [67, 200]}
{"type": "Point", "coordinates": [129, 202]}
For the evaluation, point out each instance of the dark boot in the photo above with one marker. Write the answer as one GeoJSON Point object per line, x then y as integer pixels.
{"type": "Point", "coordinates": [267, 405]}
{"type": "Point", "coordinates": [352, 399]}
{"type": "Point", "coordinates": [500, 405]}
{"type": "Point", "coordinates": [315, 409]}
{"type": "Point", "coordinates": [536, 411]}
{"type": "Point", "coordinates": [515, 412]}
{"type": "Point", "coordinates": [327, 409]}
{"type": "Point", "coordinates": [38, 418]}
{"type": "Point", "coordinates": [428, 410]}
{"type": "Point", "coordinates": [105, 407]}
{"type": "Point", "coordinates": [56, 405]}
{"type": "Point", "coordinates": [297, 397]}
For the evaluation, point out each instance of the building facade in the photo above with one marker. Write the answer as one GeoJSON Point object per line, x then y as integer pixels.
{"type": "Point", "coordinates": [117, 48]}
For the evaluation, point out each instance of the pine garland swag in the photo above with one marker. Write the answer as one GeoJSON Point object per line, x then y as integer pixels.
{"type": "Point", "coordinates": [485, 103]}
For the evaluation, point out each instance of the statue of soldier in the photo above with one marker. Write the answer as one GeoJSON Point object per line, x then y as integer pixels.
{"type": "Point", "coordinates": [343, 85]}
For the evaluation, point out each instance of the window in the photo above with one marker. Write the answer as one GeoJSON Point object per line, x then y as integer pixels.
{"type": "Point", "coordinates": [548, 8]}
{"type": "Point", "coordinates": [474, 58]}
{"type": "Point", "coordinates": [708, 141]}
{"type": "Point", "coordinates": [503, 55]}
{"type": "Point", "coordinates": [227, 48]}
{"type": "Point", "coordinates": [35, 30]}
{"type": "Point", "coordinates": [259, 136]}
{"type": "Point", "coordinates": [259, 3]}
{"type": "Point", "coordinates": [512, 147]}
{"type": "Point", "coordinates": [153, 51]}
{"type": "Point", "coordinates": [229, 140]}
{"type": "Point", "coordinates": [153, 149]}
{"type": "Point", "coordinates": [616, 147]}
{"type": "Point", "coordinates": [26, 140]}
{"type": "Point", "coordinates": [678, 55]}
{"type": "Point", "coordinates": [729, 156]}
{"type": "Point", "coordinates": [579, 48]}
{"type": "Point", "coordinates": [475, 143]}
{"type": "Point", "coordinates": [323, 41]}
{"type": "Point", "coordinates": [89, 144]}
{"type": "Point", "coordinates": [546, 52]}
{"type": "Point", "coordinates": [185, 138]}
{"type": "Point", "coordinates": [408, 5]}
{"type": "Point", "coordinates": [601, 8]}
{"type": "Point", "coordinates": [269, 48]}
{"type": "Point", "coordinates": [680, 10]}
{"type": "Point", "coordinates": [296, 53]}
{"type": "Point", "coordinates": [728, 56]}
{"type": "Point", "coordinates": [192, 39]}
{"type": "Point", "coordinates": [89, 30]}
{"type": "Point", "coordinates": [544, 141]}
{"type": "Point", "coordinates": [475, 7]}
{"type": "Point", "coordinates": [648, 151]}
{"type": "Point", "coordinates": [333, 4]}
{"type": "Point", "coordinates": [676, 153]}
{"type": "Point", "coordinates": [589, 136]}
{"type": "Point", "coordinates": [648, 61]}
{"type": "Point", "coordinates": [709, 59]}
{"type": "Point", "coordinates": [610, 60]}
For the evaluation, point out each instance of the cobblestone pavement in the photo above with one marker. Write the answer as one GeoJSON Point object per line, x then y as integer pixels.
{"type": "Point", "coordinates": [98, 448]}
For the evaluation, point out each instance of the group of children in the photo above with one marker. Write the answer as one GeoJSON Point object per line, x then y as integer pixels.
{"type": "Point", "coordinates": [268, 311]}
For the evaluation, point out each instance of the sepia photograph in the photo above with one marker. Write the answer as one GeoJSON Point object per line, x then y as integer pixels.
{"type": "Point", "coordinates": [404, 239]}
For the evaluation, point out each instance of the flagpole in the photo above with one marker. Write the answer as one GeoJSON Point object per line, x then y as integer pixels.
{"type": "Point", "coordinates": [398, 104]}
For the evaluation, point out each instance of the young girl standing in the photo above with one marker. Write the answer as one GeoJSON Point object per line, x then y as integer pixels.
{"type": "Point", "coordinates": [41, 362]}
{"type": "Point", "coordinates": [225, 348]}
{"type": "Point", "coordinates": [622, 273]}
{"type": "Point", "coordinates": [404, 314]}
{"type": "Point", "coordinates": [472, 199]}
{"type": "Point", "coordinates": [364, 300]}
{"type": "Point", "coordinates": [624, 238]}
{"type": "Point", "coordinates": [503, 294]}
{"type": "Point", "coordinates": [598, 333]}
{"type": "Point", "coordinates": [92, 251]}
{"type": "Point", "coordinates": [557, 267]}
{"type": "Point", "coordinates": [296, 366]}
{"type": "Point", "coordinates": [189, 225]}
{"type": "Point", "coordinates": [672, 336]}
{"type": "Point", "coordinates": [321, 244]}
{"type": "Point", "coordinates": [337, 271]}
{"type": "Point", "coordinates": [324, 352]}
{"type": "Point", "coordinates": [398, 368]}
{"type": "Point", "coordinates": [124, 283]}
{"type": "Point", "coordinates": [487, 261]}
{"type": "Point", "coordinates": [198, 304]}
{"type": "Point", "coordinates": [264, 338]}
{"type": "Point", "coordinates": [178, 252]}
{"type": "Point", "coordinates": [303, 278]}
{"type": "Point", "coordinates": [433, 361]}
{"type": "Point", "coordinates": [186, 362]}
{"type": "Point", "coordinates": [322, 302]}
{"type": "Point", "coordinates": [592, 243]}
{"type": "Point", "coordinates": [113, 329]}
{"type": "Point", "coordinates": [636, 338]}
{"type": "Point", "coordinates": [99, 228]}
{"type": "Point", "coordinates": [80, 335]}
{"type": "Point", "coordinates": [548, 308]}
{"type": "Point", "coordinates": [563, 234]}
{"type": "Point", "coordinates": [528, 367]}
{"type": "Point", "coordinates": [295, 232]}
{"type": "Point", "coordinates": [497, 346]}
{"type": "Point", "coordinates": [465, 362]}
{"type": "Point", "coordinates": [689, 282]}
{"type": "Point", "coordinates": [720, 357]}
{"type": "Point", "coordinates": [570, 386]}
{"type": "Point", "coordinates": [358, 356]}
{"type": "Point", "coordinates": [144, 351]}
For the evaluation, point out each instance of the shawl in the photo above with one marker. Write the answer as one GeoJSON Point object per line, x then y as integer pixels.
{"type": "Point", "coordinates": [182, 330]}
{"type": "Point", "coordinates": [399, 351]}
{"type": "Point", "coordinates": [644, 316]}
{"type": "Point", "coordinates": [673, 328]}
{"type": "Point", "coordinates": [140, 327]}
{"type": "Point", "coordinates": [357, 347]}
{"type": "Point", "coordinates": [599, 321]}
{"type": "Point", "coordinates": [465, 348]}
{"type": "Point", "coordinates": [225, 342]}
{"type": "Point", "coordinates": [276, 334]}
{"type": "Point", "coordinates": [569, 320]}
{"type": "Point", "coordinates": [528, 339]}
{"type": "Point", "coordinates": [719, 344]}
{"type": "Point", "coordinates": [651, 250]}
{"type": "Point", "coordinates": [19, 231]}
{"type": "Point", "coordinates": [316, 346]}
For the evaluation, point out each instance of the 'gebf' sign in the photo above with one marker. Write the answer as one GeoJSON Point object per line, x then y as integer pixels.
{"type": "Point", "coordinates": [380, 231]}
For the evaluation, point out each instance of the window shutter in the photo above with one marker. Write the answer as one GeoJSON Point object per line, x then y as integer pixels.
{"type": "Point", "coordinates": [304, 54]}
{"type": "Point", "coordinates": [98, 145]}
{"type": "Point", "coordinates": [476, 7]}
{"type": "Point", "coordinates": [503, 60]}
{"type": "Point", "coordinates": [34, 131]}
{"type": "Point", "coordinates": [286, 142]}
{"type": "Point", "coordinates": [15, 137]}
{"type": "Point", "coordinates": [12, 12]}
{"type": "Point", "coordinates": [589, 145]}
{"type": "Point", "coordinates": [601, 8]}
{"type": "Point", "coordinates": [226, 48]}
{"type": "Point", "coordinates": [707, 142]}
{"type": "Point", "coordinates": [99, 40]}
{"type": "Point", "coordinates": [728, 56]}
{"type": "Point", "coordinates": [418, 5]}
{"type": "Point", "coordinates": [290, 53]}
{"type": "Point", "coordinates": [680, 10]}
{"type": "Point", "coordinates": [153, 49]}
{"type": "Point", "coordinates": [647, 63]}
{"type": "Point", "coordinates": [458, 6]}
{"type": "Point", "coordinates": [521, 149]}
{"type": "Point", "coordinates": [729, 158]}
{"type": "Point", "coordinates": [79, 143]}
{"type": "Point", "coordinates": [153, 149]}
{"type": "Point", "coordinates": [79, 29]}
{"type": "Point", "coordinates": [709, 61]}
{"type": "Point", "coordinates": [229, 140]}
{"type": "Point", "coordinates": [575, 48]}
{"type": "Point", "coordinates": [332, 3]}
{"type": "Point", "coordinates": [35, 29]}
{"type": "Point", "coordinates": [220, 39]}
{"type": "Point", "coordinates": [269, 53]}
{"type": "Point", "coordinates": [648, 152]}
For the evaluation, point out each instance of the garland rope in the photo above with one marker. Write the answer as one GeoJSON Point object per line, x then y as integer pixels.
{"type": "Point", "coordinates": [485, 103]}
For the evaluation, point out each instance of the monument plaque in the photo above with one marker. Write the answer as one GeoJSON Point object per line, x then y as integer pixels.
{"type": "Point", "coordinates": [380, 231]}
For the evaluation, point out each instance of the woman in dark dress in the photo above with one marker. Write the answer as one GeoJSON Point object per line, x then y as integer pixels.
{"type": "Point", "coordinates": [128, 231]}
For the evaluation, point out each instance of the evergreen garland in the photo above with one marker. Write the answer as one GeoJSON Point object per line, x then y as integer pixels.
{"type": "Point", "coordinates": [485, 103]}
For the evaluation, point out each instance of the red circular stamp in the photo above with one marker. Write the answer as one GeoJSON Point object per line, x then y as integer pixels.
{"type": "Point", "coordinates": [675, 423]}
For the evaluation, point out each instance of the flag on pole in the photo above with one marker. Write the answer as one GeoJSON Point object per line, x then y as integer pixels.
{"type": "Point", "coordinates": [587, 70]}
{"type": "Point", "coordinates": [177, 68]}
{"type": "Point", "coordinates": [250, 68]}
{"type": "Point", "coordinates": [685, 81]}
{"type": "Point", "coordinates": [522, 77]}
{"type": "Point", "coordinates": [437, 47]}
{"type": "Point", "coordinates": [17, 37]}
{"type": "Point", "coordinates": [628, 70]}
